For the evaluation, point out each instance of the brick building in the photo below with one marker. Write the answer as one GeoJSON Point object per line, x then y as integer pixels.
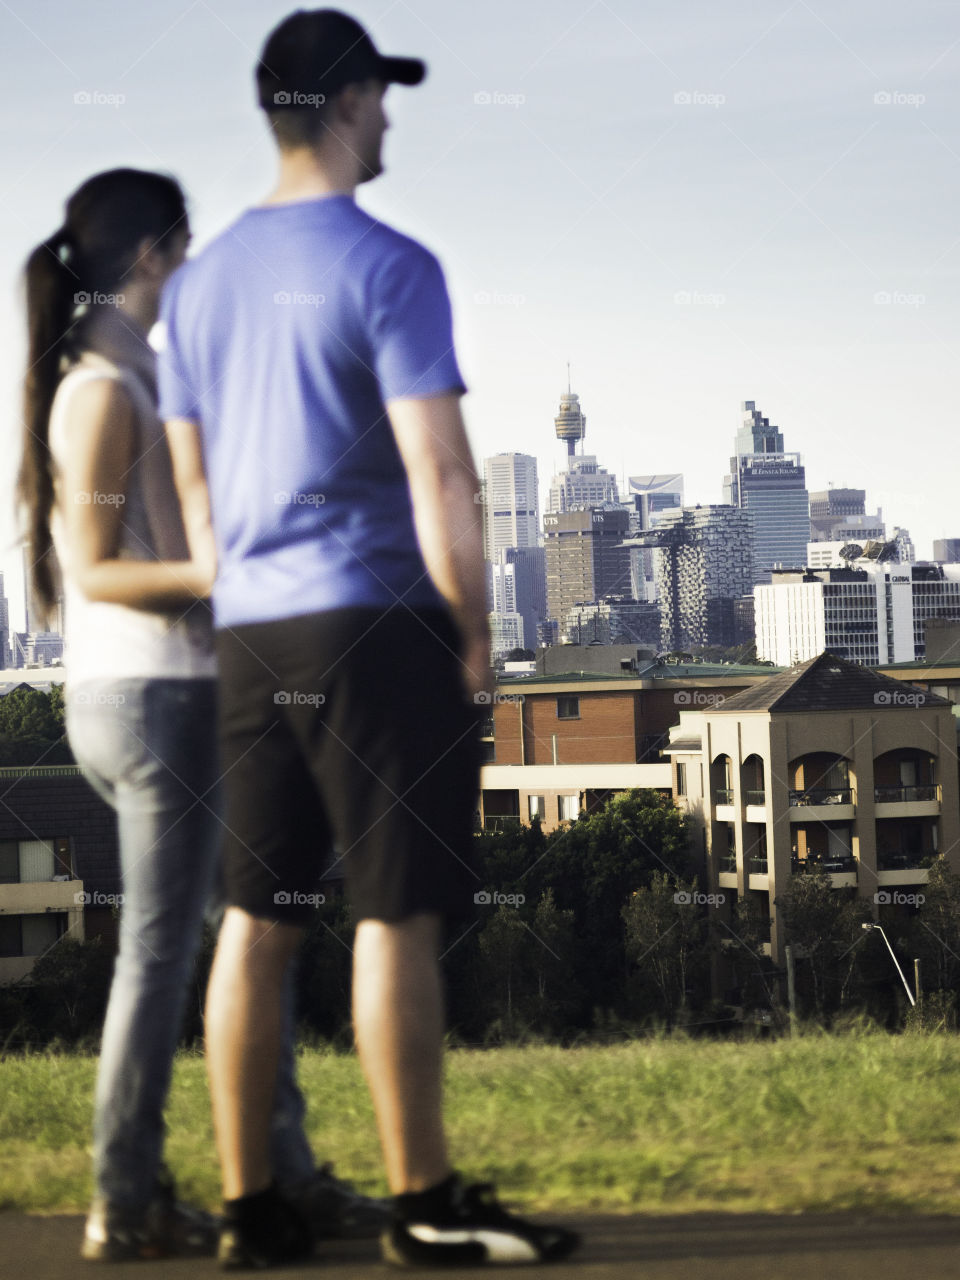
{"type": "Point", "coordinates": [561, 745]}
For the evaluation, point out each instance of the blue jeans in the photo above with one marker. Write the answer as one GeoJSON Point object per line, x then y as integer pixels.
{"type": "Point", "coordinates": [149, 748]}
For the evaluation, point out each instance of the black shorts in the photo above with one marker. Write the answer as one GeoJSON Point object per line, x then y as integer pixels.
{"type": "Point", "coordinates": [347, 736]}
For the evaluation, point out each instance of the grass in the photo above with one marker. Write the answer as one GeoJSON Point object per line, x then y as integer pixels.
{"type": "Point", "coordinates": [819, 1123]}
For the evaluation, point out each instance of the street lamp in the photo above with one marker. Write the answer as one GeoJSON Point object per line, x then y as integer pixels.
{"type": "Point", "coordinates": [868, 925]}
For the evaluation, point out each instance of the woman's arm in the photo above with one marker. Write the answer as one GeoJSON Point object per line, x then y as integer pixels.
{"type": "Point", "coordinates": [98, 457]}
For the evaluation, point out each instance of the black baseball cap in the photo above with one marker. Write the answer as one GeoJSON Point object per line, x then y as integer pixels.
{"type": "Point", "coordinates": [318, 51]}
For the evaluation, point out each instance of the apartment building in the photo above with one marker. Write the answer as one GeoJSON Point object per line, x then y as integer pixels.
{"type": "Point", "coordinates": [558, 746]}
{"type": "Point", "coordinates": [829, 764]}
{"type": "Point", "coordinates": [59, 868]}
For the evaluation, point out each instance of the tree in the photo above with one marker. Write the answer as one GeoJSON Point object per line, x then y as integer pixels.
{"type": "Point", "coordinates": [824, 926]}
{"type": "Point", "coordinates": [32, 729]}
{"type": "Point", "coordinates": [666, 934]}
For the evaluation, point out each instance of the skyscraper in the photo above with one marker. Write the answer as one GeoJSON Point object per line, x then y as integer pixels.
{"type": "Point", "coordinates": [946, 550]}
{"type": "Point", "coordinates": [511, 503]}
{"type": "Point", "coordinates": [582, 483]}
{"type": "Point", "coordinates": [651, 496]}
{"type": "Point", "coordinates": [771, 484]}
{"type": "Point", "coordinates": [704, 567]}
{"type": "Point", "coordinates": [4, 627]}
{"type": "Point", "coordinates": [519, 586]}
{"type": "Point", "coordinates": [585, 558]}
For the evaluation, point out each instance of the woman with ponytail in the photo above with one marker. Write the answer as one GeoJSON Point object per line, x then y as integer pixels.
{"type": "Point", "coordinates": [102, 519]}
{"type": "Point", "coordinates": [100, 516]}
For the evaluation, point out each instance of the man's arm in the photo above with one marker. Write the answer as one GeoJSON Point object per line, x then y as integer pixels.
{"type": "Point", "coordinates": [190, 478]}
{"type": "Point", "coordinates": [443, 482]}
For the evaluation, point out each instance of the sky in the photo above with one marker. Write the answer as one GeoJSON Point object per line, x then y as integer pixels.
{"type": "Point", "coordinates": [694, 202]}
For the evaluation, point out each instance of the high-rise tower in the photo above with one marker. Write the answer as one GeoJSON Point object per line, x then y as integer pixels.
{"type": "Point", "coordinates": [570, 422]}
{"type": "Point", "coordinates": [771, 484]}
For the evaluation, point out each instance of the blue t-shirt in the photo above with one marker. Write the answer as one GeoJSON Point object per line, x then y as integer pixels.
{"type": "Point", "coordinates": [284, 340]}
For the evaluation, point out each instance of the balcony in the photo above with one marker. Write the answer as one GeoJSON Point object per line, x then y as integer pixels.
{"type": "Point", "coordinates": [842, 871]}
{"type": "Point", "coordinates": [904, 859]}
{"type": "Point", "coordinates": [497, 824]}
{"type": "Point", "coordinates": [831, 804]}
{"type": "Point", "coordinates": [758, 866]}
{"type": "Point", "coordinates": [755, 797]}
{"type": "Point", "coordinates": [907, 801]}
{"type": "Point", "coordinates": [723, 795]}
{"type": "Point", "coordinates": [822, 795]}
{"type": "Point", "coordinates": [728, 863]}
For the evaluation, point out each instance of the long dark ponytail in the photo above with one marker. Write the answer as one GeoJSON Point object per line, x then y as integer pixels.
{"type": "Point", "coordinates": [87, 259]}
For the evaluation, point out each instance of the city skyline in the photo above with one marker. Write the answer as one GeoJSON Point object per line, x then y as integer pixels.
{"type": "Point", "coordinates": [691, 208]}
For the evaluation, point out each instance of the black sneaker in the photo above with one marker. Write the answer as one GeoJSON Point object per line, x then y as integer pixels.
{"type": "Point", "coordinates": [335, 1210]}
{"type": "Point", "coordinates": [475, 1231]}
{"type": "Point", "coordinates": [282, 1236]}
{"type": "Point", "coordinates": [167, 1228]}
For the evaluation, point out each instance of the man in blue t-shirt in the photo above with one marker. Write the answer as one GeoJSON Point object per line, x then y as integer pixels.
{"type": "Point", "coordinates": [311, 393]}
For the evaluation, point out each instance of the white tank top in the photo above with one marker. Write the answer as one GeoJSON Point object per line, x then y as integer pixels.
{"type": "Point", "coordinates": [112, 641]}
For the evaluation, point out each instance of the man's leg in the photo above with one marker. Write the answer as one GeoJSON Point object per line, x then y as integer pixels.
{"type": "Point", "coordinates": [398, 1021]}
{"type": "Point", "coordinates": [244, 1024]}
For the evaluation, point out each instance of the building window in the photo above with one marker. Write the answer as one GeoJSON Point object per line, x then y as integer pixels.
{"type": "Point", "coordinates": [31, 935]}
{"type": "Point", "coordinates": [535, 807]}
{"type": "Point", "coordinates": [568, 707]}
{"type": "Point", "coordinates": [9, 862]}
{"type": "Point", "coordinates": [681, 779]}
{"type": "Point", "coordinates": [567, 808]}
{"type": "Point", "coordinates": [27, 861]}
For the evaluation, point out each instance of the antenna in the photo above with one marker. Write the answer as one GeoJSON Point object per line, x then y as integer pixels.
{"type": "Point", "coordinates": [568, 377]}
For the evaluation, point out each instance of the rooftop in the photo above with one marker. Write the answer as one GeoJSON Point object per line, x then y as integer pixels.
{"type": "Point", "coordinates": [827, 683]}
